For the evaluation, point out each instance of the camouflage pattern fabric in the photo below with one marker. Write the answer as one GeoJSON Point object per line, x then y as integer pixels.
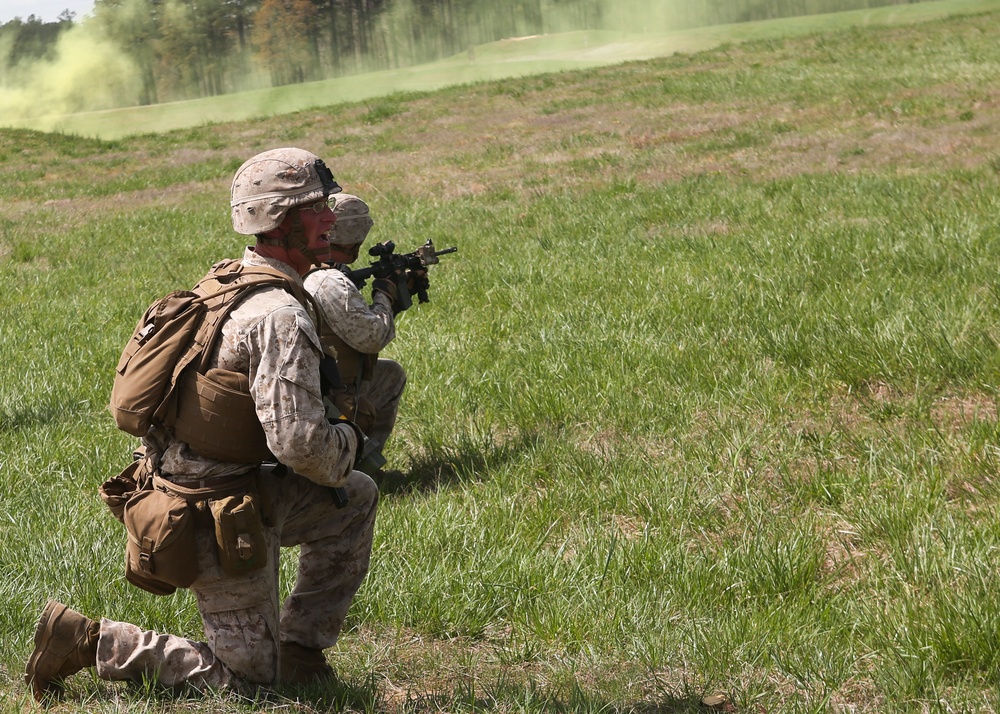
{"type": "Point", "coordinates": [384, 390]}
{"type": "Point", "coordinates": [367, 329]}
{"type": "Point", "coordinates": [353, 220]}
{"type": "Point", "coordinates": [272, 338]}
{"type": "Point", "coordinates": [241, 616]}
{"type": "Point", "coordinates": [270, 183]}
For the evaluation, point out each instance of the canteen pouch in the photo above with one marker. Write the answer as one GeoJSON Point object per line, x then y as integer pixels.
{"type": "Point", "coordinates": [239, 533]}
{"type": "Point", "coordinates": [161, 553]}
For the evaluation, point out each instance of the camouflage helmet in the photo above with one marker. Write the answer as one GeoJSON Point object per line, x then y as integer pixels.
{"type": "Point", "coordinates": [353, 220]}
{"type": "Point", "coordinates": [270, 183]}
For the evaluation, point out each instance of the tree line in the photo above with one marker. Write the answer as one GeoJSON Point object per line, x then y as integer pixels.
{"type": "Point", "coordinates": [194, 48]}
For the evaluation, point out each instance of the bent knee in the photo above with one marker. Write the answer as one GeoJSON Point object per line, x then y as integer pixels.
{"type": "Point", "coordinates": [390, 372]}
{"type": "Point", "coordinates": [361, 490]}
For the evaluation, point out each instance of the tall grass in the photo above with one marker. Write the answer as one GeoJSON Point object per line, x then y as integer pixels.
{"type": "Point", "coordinates": [706, 402]}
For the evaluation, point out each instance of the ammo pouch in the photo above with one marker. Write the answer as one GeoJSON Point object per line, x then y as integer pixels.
{"type": "Point", "coordinates": [117, 490]}
{"type": "Point", "coordinates": [358, 409]}
{"type": "Point", "coordinates": [162, 520]}
{"type": "Point", "coordinates": [239, 534]}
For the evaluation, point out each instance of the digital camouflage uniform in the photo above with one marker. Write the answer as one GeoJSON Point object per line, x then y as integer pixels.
{"type": "Point", "coordinates": [271, 337]}
{"type": "Point", "coordinates": [272, 340]}
{"type": "Point", "coordinates": [359, 327]}
{"type": "Point", "coordinates": [367, 329]}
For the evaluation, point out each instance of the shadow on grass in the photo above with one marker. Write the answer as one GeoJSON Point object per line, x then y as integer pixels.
{"type": "Point", "coordinates": [18, 419]}
{"type": "Point", "coordinates": [367, 697]}
{"type": "Point", "coordinates": [447, 465]}
{"type": "Point", "coordinates": [88, 693]}
{"type": "Point", "coordinates": [332, 696]}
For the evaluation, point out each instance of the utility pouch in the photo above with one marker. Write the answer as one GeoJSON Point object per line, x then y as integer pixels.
{"type": "Point", "coordinates": [239, 533]}
{"type": "Point", "coordinates": [117, 490]}
{"type": "Point", "coordinates": [161, 553]}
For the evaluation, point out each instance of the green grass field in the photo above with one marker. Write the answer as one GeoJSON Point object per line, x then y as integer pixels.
{"type": "Point", "coordinates": [706, 402]}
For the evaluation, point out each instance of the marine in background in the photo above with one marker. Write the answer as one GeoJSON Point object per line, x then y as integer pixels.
{"type": "Point", "coordinates": [356, 330]}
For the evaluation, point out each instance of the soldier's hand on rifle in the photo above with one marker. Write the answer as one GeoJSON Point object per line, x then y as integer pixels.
{"type": "Point", "coordinates": [416, 281]}
{"type": "Point", "coordinates": [394, 286]}
{"type": "Point", "coordinates": [386, 286]}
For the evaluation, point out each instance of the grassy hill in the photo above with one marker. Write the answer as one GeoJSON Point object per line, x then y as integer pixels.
{"type": "Point", "coordinates": [705, 403]}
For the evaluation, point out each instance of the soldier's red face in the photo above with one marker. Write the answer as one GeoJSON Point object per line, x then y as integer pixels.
{"type": "Point", "coordinates": [316, 226]}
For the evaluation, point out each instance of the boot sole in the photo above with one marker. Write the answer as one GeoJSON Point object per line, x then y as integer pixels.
{"type": "Point", "coordinates": [43, 634]}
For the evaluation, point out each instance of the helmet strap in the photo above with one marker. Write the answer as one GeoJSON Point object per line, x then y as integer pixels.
{"type": "Point", "coordinates": [294, 239]}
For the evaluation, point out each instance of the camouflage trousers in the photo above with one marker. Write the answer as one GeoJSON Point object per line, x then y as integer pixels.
{"type": "Point", "coordinates": [384, 391]}
{"type": "Point", "coordinates": [243, 624]}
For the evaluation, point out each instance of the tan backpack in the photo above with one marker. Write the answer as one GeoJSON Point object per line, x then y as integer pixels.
{"type": "Point", "coordinates": [172, 334]}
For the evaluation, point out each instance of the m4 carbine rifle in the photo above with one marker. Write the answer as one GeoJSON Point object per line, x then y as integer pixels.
{"type": "Point", "coordinates": [394, 267]}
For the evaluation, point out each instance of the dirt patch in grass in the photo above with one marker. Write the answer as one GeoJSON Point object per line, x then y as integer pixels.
{"type": "Point", "coordinates": [955, 412]}
{"type": "Point", "coordinates": [675, 138]}
{"type": "Point", "coordinates": [422, 674]}
{"type": "Point", "coordinates": [843, 550]}
{"type": "Point", "coordinates": [65, 214]}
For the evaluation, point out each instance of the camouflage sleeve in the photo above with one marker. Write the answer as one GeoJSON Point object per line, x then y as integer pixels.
{"type": "Point", "coordinates": [366, 328]}
{"type": "Point", "coordinates": [284, 384]}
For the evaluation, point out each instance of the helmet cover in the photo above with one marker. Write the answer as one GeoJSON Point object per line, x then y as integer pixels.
{"type": "Point", "coordinates": [270, 183]}
{"type": "Point", "coordinates": [353, 220]}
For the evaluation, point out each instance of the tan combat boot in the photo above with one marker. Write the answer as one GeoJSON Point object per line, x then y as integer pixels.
{"type": "Point", "coordinates": [65, 643]}
{"type": "Point", "coordinates": [302, 665]}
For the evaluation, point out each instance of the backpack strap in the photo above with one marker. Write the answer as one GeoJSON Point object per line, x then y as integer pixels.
{"type": "Point", "coordinates": [226, 286]}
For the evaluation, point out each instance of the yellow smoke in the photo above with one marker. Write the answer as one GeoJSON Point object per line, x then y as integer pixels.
{"type": "Point", "coordinates": [85, 74]}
